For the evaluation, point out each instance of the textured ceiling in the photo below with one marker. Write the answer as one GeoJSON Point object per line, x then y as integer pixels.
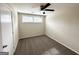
{"type": "Point", "coordinates": [28, 7]}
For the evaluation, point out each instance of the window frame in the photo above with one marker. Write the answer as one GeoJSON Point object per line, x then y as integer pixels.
{"type": "Point", "coordinates": [33, 20]}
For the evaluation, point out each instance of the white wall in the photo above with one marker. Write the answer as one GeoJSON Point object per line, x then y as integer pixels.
{"type": "Point", "coordinates": [62, 25]}
{"type": "Point", "coordinates": [30, 29]}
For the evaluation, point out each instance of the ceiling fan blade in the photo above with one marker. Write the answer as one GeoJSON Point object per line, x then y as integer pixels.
{"type": "Point", "coordinates": [49, 10]}
{"type": "Point", "coordinates": [43, 7]}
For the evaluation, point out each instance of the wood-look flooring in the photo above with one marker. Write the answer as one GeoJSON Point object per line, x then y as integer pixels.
{"type": "Point", "coordinates": [41, 45]}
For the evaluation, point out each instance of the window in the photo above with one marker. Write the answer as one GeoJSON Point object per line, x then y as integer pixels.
{"type": "Point", "coordinates": [27, 18]}
{"type": "Point", "coordinates": [37, 19]}
{"type": "Point", "coordinates": [5, 16]}
{"type": "Point", "coordinates": [32, 19]}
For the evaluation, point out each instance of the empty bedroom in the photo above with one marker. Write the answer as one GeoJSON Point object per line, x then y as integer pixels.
{"type": "Point", "coordinates": [39, 28]}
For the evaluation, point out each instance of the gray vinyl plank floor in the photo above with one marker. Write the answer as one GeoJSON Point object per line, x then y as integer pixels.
{"type": "Point", "coordinates": [41, 45]}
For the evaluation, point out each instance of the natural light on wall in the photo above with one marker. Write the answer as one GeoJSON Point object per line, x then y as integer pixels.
{"type": "Point", "coordinates": [32, 19]}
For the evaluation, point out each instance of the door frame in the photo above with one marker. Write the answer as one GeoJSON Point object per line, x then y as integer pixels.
{"type": "Point", "coordinates": [0, 34]}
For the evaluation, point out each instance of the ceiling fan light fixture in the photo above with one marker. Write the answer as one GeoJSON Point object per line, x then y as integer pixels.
{"type": "Point", "coordinates": [44, 12]}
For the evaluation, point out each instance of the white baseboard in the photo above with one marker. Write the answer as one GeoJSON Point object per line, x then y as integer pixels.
{"type": "Point", "coordinates": [62, 43]}
{"type": "Point", "coordinates": [32, 36]}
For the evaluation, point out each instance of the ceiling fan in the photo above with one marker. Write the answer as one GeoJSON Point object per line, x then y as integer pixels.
{"type": "Point", "coordinates": [44, 8]}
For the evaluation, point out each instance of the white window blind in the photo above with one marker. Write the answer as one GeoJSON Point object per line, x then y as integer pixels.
{"type": "Point", "coordinates": [38, 19]}
{"type": "Point", "coordinates": [27, 18]}
{"type": "Point", "coordinates": [32, 18]}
